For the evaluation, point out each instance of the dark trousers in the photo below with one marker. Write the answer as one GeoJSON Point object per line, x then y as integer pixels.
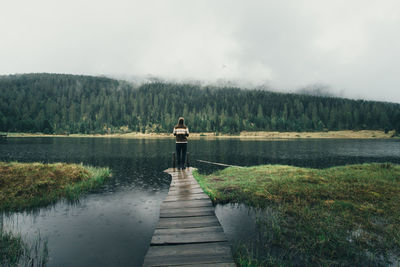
{"type": "Point", "coordinates": [181, 149]}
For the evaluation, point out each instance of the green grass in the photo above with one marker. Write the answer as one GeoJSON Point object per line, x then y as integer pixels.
{"type": "Point", "coordinates": [11, 248]}
{"type": "Point", "coordinates": [29, 185]}
{"type": "Point", "coordinates": [15, 252]}
{"type": "Point", "coordinates": [346, 215]}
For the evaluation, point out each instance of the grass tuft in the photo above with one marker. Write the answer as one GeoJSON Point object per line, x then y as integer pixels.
{"type": "Point", "coordinates": [11, 248]}
{"type": "Point", "coordinates": [14, 251]}
{"type": "Point", "coordinates": [29, 185]}
{"type": "Point", "coordinates": [345, 215]}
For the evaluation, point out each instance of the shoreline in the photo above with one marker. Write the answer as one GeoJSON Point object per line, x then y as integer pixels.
{"type": "Point", "coordinates": [345, 134]}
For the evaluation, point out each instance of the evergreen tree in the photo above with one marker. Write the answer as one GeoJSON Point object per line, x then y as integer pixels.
{"type": "Point", "coordinates": [58, 103]}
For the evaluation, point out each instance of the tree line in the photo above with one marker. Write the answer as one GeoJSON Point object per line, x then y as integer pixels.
{"type": "Point", "coordinates": [60, 103]}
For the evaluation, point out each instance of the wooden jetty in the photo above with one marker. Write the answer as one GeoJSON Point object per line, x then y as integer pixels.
{"type": "Point", "coordinates": [188, 232]}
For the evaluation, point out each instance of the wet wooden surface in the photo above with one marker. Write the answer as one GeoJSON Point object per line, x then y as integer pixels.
{"type": "Point", "coordinates": [188, 232]}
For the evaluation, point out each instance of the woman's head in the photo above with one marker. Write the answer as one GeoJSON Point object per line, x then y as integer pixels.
{"type": "Point", "coordinates": [181, 121]}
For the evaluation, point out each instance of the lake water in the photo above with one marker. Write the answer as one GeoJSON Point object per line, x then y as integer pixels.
{"type": "Point", "coordinates": [114, 225]}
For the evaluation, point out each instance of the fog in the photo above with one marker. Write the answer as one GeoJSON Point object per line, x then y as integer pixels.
{"type": "Point", "coordinates": [350, 47]}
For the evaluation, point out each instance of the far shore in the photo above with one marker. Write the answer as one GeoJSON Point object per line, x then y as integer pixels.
{"type": "Point", "coordinates": [347, 134]}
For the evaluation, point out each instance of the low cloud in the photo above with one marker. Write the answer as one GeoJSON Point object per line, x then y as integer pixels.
{"type": "Point", "coordinates": [351, 46]}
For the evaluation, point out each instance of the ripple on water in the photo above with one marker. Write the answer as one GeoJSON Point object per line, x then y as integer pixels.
{"type": "Point", "coordinates": [113, 225]}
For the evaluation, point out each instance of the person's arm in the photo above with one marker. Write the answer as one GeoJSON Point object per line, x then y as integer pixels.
{"type": "Point", "coordinates": [187, 131]}
{"type": "Point", "coordinates": [174, 131]}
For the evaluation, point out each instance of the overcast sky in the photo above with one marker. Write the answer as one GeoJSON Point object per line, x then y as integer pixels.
{"type": "Point", "coordinates": [351, 46]}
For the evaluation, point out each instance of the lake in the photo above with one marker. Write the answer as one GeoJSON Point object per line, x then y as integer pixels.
{"type": "Point", "coordinates": [114, 225]}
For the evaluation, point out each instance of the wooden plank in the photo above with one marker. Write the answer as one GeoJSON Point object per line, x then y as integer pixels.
{"type": "Point", "coordinates": [186, 213]}
{"type": "Point", "coordinates": [188, 209]}
{"type": "Point", "coordinates": [186, 186]}
{"type": "Point", "coordinates": [207, 200]}
{"type": "Point", "coordinates": [181, 188]}
{"type": "Point", "coordinates": [202, 253]}
{"type": "Point", "coordinates": [189, 200]}
{"type": "Point", "coordinates": [183, 178]}
{"type": "Point", "coordinates": [181, 191]}
{"type": "Point", "coordinates": [202, 260]}
{"type": "Point", "coordinates": [190, 249]}
{"type": "Point", "coordinates": [208, 229]}
{"type": "Point", "coordinates": [183, 184]}
{"type": "Point", "coordinates": [186, 197]}
{"type": "Point", "coordinates": [189, 182]}
{"type": "Point", "coordinates": [185, 192]}
{"type": "Point", "coordinates": [188, 238]}
{"type": "Point", "coordinates": [182, 181]}
{"type": "Point", "coordinates": [186, 204]}
{"type": "Point", "coordinates": [188, 222]}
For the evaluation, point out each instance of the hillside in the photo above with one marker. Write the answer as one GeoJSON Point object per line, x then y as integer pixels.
{"type": "Point", "coordinates": [60, 103]}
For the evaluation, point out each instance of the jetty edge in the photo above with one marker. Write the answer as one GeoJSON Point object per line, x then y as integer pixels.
{"type": "Point", "coordinates": [188, 232]}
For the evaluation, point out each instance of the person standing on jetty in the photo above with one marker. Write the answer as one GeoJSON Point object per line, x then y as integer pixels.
{"type": "Point", "coordinates": [181, 132]}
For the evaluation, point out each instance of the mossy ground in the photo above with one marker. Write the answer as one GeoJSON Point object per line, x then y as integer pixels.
{"type": "Point", "coordinates": [29, 185]}
{"type": "Point", "coordinates": [346, 215]}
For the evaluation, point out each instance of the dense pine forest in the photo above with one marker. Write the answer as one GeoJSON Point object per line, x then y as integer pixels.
{"type": "Point", "coordinates": [59, 103]}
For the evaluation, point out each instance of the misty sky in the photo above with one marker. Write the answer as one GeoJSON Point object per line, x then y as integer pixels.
{"type": "Point", "coordinates": [351, 46]}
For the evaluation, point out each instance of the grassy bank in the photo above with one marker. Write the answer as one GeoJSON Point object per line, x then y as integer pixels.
{"type": "Point", "coordinates": [349, 134]}
{"type": "Point", "coordinates": [25, 186]}
{"type": "Point", "coordinates": [29, 185]}
{"type": "Point", "coordinates": [346, 215]}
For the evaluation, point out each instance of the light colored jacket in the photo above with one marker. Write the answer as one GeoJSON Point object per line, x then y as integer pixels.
{"type": "Point", "coordinates": [181, 133]}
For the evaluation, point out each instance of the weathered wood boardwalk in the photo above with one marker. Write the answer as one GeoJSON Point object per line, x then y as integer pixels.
{"type": "Point", "coordinates": [188, 232]}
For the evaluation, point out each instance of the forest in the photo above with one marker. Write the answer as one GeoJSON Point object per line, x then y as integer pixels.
{"type": "Point", "coordinates": [63, 104]}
